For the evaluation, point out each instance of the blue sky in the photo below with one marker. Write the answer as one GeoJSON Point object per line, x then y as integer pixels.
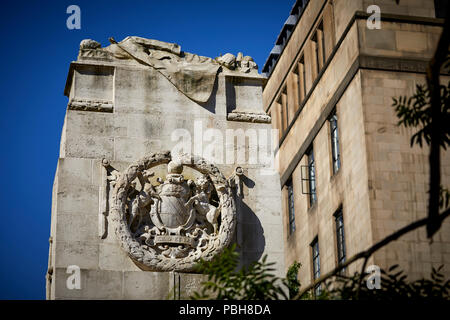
{"type": "Point", "coordinates": [36, 49]}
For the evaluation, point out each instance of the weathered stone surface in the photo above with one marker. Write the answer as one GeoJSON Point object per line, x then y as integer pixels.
{"type": "Point", "coordinates": [114, 181]}
{"type": "Point", "coordinates": [127, 285]}
{"type": "Point", "coordinates": [146, 285]}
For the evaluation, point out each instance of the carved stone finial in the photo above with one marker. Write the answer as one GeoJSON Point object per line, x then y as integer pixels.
{"type": "Point", "coordinates": [89, 44]}
{"type": "Point", "coordinates": [174, 167]}
{"type": "Point", "coordinates": [228, 60]}
{"type": "Point", "coordinates": [239, 171]}
{"type": "Point", "coordinates": [235, 181]}
{"type": "Point", "coordinates": [105, 162]}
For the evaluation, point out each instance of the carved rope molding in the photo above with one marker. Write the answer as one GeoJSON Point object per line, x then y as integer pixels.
{"type": "Point", "coordinates": [248, 117]}
{"type": "Point", "coordinates": [108, 177]}
{"type": "Point", "coordinates": [148, 258]}
{"type": "Point", "coordinates": [90, 105]}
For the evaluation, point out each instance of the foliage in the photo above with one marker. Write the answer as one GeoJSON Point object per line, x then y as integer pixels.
{"type": "Point", "coordinates": [444, 198]}
{"type": "Point", "coordinates": [415, 112]}
{"type": "Point", "coordinates": [394, 286]}
{"type": "Point", "coordinates": [292, 279]}
{"type": "Point", "coordinates": [256, 282]}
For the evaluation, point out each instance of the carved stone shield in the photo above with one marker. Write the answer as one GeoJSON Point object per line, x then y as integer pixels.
{"type": "Point", "coordinates": [172, 211]}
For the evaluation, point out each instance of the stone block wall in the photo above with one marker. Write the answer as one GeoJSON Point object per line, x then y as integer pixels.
{"type": "Point", "coordinates": [346, 189]}
{"type": "Point", "coordinates": [398, 177]}
{"type": "Point", "coordinates": [123, 111]}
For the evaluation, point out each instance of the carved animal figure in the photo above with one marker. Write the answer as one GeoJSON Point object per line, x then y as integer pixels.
{"type": "Point", "coordinates": [143, 198]}
{"type": "Point", "coordinates": [201, 202]}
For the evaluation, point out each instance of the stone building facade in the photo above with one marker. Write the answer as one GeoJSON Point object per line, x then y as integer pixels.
{"type": "Point", "coordinates": [349, 176]}
{"type": "Point", "coordinates": [153, 173]}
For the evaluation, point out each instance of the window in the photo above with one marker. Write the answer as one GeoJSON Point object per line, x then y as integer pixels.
{"type": "Point", "coordinates": [284, 111]}
{"type": "Point", "coordinates": [321, 40]}
{"type": "Point", "coordinates": [440, 8]}
{"type": "Point", "coordinates": [282, 126]}
{"type": "Point", "coordinates": [274, 113]}
{"type": "Point", "coordinates": [335, 153]}
{"type": "Point", "coordinates": [301, 83]}
{"type": "Point", "coordinates": [340, 237]}
{"type": "Point", "coordinates": [312, 177]}
{"type": "Point", "coordinates": [318, 40]}
{"type": "Point", "coordinates": [316, 53]}
{"type": "Point", "coordinates": [297, 81]}
{"type": "Point", "coordinates": [316, 263]}
{"type": "Point", "coordinates": [290, 190]}
{"type": "Point", "coordinates": [284, 100]}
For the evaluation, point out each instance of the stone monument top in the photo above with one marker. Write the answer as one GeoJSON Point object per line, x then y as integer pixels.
{"type": "Point", "coordinates": [192, 74]}
{"type": "Point", "coordinates": [165, 160]}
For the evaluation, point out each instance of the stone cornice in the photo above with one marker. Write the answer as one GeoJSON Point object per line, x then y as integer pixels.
{"type": "Point", "coordinates": [361, 62]}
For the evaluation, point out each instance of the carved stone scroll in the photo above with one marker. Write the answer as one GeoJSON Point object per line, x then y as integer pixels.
{"type": "Point", "coordinates": [235, 181]}
{"type": "Point", "coordinates": [108, 177]}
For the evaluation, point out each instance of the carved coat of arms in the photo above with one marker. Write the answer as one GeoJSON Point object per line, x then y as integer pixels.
{"type": "Point", "coordinates": [168, 225]}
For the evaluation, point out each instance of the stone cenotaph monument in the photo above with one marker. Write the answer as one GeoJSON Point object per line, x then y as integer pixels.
{"type": "Point", "coordinates": [166, 158]}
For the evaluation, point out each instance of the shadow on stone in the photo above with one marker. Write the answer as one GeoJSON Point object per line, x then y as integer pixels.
{"type": "Point", "coordinates": [210, 105]}
{"type": "Point", "coordinates": [250, 237]}
{"type": "Point", "coordinates": [249, 183]}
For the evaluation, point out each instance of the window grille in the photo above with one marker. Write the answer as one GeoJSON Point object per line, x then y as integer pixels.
{"type": "Point", "coordinates": [290, 190]}
{"type": "Point", "coordinates": [335, 149]}
{"type": "Point", "coordinates": [340, 237]}
{"type": "Point", "coordinates": [316, 263]}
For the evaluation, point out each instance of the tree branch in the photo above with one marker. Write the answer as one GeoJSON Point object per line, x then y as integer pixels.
{"type": "Point", "coordinates": [367, 253]}
{"type": "Point", "coordinates": [433, 75]}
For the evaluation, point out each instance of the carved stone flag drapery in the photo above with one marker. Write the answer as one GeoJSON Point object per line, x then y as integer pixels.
{"type": "Point", "coordinates": [191, 74]}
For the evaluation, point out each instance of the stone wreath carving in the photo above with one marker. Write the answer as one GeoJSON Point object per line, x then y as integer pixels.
{"type": "Point", "coordinates": [171, 225]}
